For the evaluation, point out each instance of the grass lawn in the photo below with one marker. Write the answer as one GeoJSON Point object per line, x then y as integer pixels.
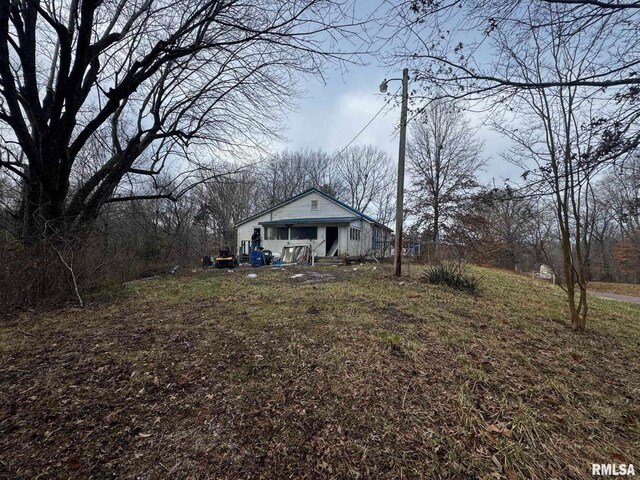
{"type": "Point", "coordinates": [346, 374]}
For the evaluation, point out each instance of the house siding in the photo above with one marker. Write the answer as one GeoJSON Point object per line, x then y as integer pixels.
{"type": "Point", "coordinates": [302, 208]}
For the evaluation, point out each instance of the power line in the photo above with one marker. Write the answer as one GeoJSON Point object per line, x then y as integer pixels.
{"type": "Point", "coordinates": [366, 126]}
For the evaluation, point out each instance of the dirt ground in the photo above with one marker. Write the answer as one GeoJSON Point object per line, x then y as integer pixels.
{"type": "Point", "coordinates": [340, 372]}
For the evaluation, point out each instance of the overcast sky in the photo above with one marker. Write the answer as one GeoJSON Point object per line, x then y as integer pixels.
{"type": "Point", "coordinates": [330, 115]}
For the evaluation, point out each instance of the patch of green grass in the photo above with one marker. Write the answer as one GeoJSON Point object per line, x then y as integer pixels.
{"type": "Point", "coordinates": [474, 374]}
{"type": "Point", "coordinates": [391, 339]}
{"type": "Point", "coordinates": [400, 344]}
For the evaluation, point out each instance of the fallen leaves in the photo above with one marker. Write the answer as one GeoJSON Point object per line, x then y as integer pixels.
{"type": "Point", "coordinates": [280, 380]}
{"type": "Point", "coordinates": [499, 428]}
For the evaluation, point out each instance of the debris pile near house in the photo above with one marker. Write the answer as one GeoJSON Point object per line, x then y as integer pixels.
{"type": "Point", "coordinates": [297, 253]}
{"type": "Point", "coordinates": [261, 257]}
{"type": "Point", "coordinates": [292, 254]}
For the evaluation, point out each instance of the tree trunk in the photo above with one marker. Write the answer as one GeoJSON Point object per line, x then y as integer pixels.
{"type": "Point", "coordinates": [436, 230]}
{"type": "Point", "coordinates": [584, 310]}
{"type": "Point", "coordinates": [569, 277]}
{"type": "Point", "coordinates": [41, 215]}
{"type": "Point", "coordinates": [573, 311]}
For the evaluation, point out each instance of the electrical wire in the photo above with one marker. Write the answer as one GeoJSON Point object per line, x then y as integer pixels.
{"type": "Point", "coordinates": [386, 103]}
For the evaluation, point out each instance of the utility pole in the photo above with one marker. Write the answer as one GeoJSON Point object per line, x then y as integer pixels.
{"type": "Point", "coordinates": [397, 259]}
{"type": "Point", "coordinates": [397, 254]}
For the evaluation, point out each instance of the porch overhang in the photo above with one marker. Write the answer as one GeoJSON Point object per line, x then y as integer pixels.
{"type": "Point", "coordinates": [287, 222]}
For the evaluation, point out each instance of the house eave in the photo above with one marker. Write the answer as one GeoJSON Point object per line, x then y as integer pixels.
{"type": "Point", "coordinates": [309, 221]}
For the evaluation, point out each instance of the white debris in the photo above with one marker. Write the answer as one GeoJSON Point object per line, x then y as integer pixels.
{"type": "Point", "coordinates": [297, 275]}
{"type": "Point", "coordinates": [252, 275]}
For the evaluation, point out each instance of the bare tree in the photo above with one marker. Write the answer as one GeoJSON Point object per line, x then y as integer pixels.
{"type": "Point", "coordinates": [467, 50]}
{"type": "Point", "coordinates": [289, 173]}
{"type": "Point", "coordinates": [620, 195]}
{"type": "Point", "coordinates": [443, 161]}
{"type": "Point", "coordinates": [515, 225]}
{"type": "Point", "coordinates": [161, 85]}
{"type": "Point", "coordinates": [385, 204]}
{"type": "Point", "coordinates": [367, 177]}
{"type": "Point", "coordinates": [617, 222]}
{"type": "Point", "coordinates": [222, 203]}
{"type": "Point", "coordinates": [560, 157]}
{"type": "Point", "coordinates": [561, 79]}
{"type": "Point", "coordinates": [447, 41]}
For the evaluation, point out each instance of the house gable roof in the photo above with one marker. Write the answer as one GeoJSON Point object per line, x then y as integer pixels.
{"type": "Point", "coordinates": [327, 196]}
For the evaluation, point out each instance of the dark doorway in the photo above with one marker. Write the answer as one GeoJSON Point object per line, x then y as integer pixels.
{"type": "Point", "coordinates": [332, 241]}
{"type": "Point", "coordinates": [256, 239]}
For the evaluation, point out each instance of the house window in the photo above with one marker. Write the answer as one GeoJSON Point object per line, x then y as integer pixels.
{"type": "Point", "coordinates": [314, 204]}
{"type": "Point", "coordinates": [277, 233]}
{"type": "Point", "coordinates": [304, 233]}
{"type": "Point", "coordinates": [355, 233]}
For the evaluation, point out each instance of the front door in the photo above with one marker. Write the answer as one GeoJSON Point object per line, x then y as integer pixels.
{"type": "Point", "coordinates": [332, 241]}
{"type": "Point", "coordinates": [256, 239]}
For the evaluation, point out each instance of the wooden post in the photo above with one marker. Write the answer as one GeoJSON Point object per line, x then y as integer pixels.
{"type": "Point", "coordinates": [397, 260]}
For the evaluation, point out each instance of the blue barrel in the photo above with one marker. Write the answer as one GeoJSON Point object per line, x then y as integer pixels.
{"type": "Point", "coordinates": [256, 259]}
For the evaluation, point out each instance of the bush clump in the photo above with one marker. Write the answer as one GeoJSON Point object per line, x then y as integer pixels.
{"type": "Point", "coordinates": [452, 275]}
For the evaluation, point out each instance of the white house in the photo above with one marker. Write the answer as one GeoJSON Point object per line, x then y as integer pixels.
{"type": "Point", "coordinates": [332, 227]}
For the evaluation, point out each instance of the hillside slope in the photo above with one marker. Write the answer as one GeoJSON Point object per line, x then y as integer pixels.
{"type": "Point", "coordinates": [341, 372]}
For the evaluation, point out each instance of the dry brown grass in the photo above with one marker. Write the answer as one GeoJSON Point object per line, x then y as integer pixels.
{"type": "Point", "coordinates": [217, 375]}
{"type": "Point", "coordinates": [630, 289]}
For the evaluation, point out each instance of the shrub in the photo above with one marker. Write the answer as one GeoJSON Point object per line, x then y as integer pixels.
{"type": "Point", "coordinates": [47, 274]}
{"type": "Point", "coordinates": [452, 275]}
